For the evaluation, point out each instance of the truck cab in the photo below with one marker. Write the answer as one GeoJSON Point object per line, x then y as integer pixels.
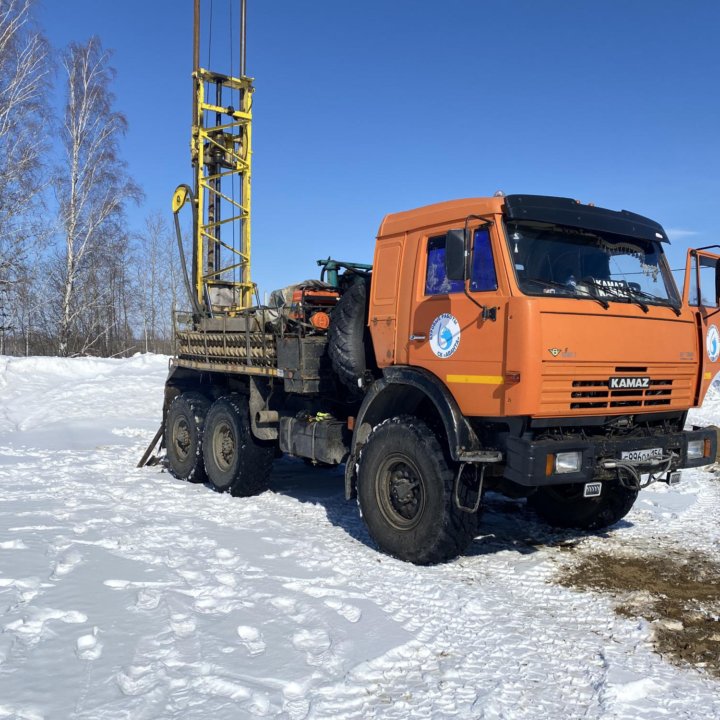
{"type": "Point", "coordinates": [556, 335]}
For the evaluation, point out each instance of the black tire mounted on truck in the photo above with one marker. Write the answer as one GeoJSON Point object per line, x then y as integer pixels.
{"type": "Point", "coordinates": [184, 423]}
{"type": "Point", "coordinates": [235, 460]}
{"type": "Point", "coordinates": [346, 337]}
{"type": "Point", "coordinates": [405, 491]}
{"type": "Point", "coordinates": [564, 506]}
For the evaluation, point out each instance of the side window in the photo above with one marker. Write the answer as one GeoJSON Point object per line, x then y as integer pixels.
{"type": "Point", "coordinates": [436, 282]}
{"type": "Point", "coordinates": [483, 276]}
{"type": "Point", "coordinates": [707, 282]}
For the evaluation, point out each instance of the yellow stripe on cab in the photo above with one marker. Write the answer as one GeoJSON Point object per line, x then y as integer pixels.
{"type": "Point", "coordinates": [476, 379]}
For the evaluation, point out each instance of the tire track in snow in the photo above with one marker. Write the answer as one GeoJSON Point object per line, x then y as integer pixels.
{"type": "Point", "coordinates": [508, 630]}
{"type": "Point", "coordinates": [437, 663]}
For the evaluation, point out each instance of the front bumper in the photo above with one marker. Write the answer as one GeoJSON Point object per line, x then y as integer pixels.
{"type": "Point", "coordinates": [527, 460]}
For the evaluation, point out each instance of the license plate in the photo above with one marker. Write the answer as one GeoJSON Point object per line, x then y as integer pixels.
{"type": "Point", "coordinates": [641, 455]}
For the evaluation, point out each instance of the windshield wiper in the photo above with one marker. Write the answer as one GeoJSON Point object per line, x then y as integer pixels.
{"type": "Point", "coordinates": [633, 297]}
{"type": "Point", "coordinates": [570, 290]}
{"type": "Point", "coordinates": [656, 298]}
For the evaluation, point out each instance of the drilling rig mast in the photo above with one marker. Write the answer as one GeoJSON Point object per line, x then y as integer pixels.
{"type": "Point", "coordinates": [221, 155]}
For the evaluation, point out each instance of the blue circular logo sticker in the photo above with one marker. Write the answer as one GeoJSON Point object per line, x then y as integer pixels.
{"type": "Point", "coordinates": [712, 343]}
{"type": "Point", "coordinates": [444, 335]}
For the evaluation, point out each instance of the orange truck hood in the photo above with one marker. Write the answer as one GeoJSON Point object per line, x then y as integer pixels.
{"type": "Point", "coordinates": [569, 355]}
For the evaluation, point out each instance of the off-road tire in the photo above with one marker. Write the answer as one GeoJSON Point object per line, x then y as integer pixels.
{"type": "Point", "coordinates": [563, 506]}
{"type": "Point", "coordinates": [184, 425]}
{"type": "Point", "coordinates": [235, 460]}
{"type": "Point", "coordinates": [346, 337]}
{"type": "Point", "coordinates": [405, 492]}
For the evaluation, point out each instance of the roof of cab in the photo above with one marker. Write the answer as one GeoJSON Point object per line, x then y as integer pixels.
{"type": "Point", "coordinates": [438, 213]}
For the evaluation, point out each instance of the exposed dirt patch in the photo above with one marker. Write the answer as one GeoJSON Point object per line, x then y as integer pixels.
{"type": "Point", "coordinates": [678, 593]}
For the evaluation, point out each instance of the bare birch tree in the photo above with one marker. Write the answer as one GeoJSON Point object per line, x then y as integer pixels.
{"type": "Point", "coordinates": [24, 81]}
{"type": "Point", "coordinates": [92, 188]}
{"type": "Point", "coordinates": [157, 278]}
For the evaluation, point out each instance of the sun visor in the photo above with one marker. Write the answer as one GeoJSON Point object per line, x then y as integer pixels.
{"type": "Point", "coordinates": [571, 213]}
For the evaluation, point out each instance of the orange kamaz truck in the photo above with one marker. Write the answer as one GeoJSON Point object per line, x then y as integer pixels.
{"type": "Point", "coordinates": [530, 345]}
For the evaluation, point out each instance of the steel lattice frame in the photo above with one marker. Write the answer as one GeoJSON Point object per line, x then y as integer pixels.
{"type": "Point", "coordinates": [227, 131]}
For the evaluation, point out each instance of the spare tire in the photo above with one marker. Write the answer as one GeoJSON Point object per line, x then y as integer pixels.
{"type": "Point", "coordinates": [346, 337]}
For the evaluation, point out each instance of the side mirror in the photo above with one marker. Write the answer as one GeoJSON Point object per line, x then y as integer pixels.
{"type": "Point", "coordinates": [455, 264]}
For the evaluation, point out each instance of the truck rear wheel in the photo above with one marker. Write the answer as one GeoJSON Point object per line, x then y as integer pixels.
{"type": "Point", "coordinates": [184, 424]}
{"type": "Point", "coordinates": [235, 460]}
{"type": "Point", "coordinates": [564, 506]}
{"type": "Point", "coordinates": [405, 491]}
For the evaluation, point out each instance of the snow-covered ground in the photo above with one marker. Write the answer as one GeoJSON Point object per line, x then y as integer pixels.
{"type": "Point", "coordinates": [127, 594]}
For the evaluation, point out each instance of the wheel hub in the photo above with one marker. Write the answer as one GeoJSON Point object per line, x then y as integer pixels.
{"type": "Point", "coordinates": [401, 495]}
{"type": "Point", "coordinates": [224, 446]}
{"type": "Point", "coordinates": [181, 438]}
{"type": "Point", "coordinates": [403, 492]}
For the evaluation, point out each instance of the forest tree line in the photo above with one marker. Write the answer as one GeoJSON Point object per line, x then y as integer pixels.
{"type": "Point", "coordinates": [74, 280]}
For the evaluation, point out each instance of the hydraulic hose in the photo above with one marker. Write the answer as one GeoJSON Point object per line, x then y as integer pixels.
{"type": "Point", "coordinates": [182, 194]}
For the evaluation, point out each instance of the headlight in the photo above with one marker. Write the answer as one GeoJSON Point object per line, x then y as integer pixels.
{"type": "Point", "coordinates": [568, 462]}
{"type": "Point", "coordinates": [695, 449]}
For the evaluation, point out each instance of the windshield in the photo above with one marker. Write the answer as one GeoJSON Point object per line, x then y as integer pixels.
{"type": "Point", "coordinates": [555, 260]}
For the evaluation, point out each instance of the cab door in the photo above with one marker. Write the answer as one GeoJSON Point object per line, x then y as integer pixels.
{"type": "Point", "coordinates": [701, 295]}
{"type": "Point", "coordinates": [450, 334]}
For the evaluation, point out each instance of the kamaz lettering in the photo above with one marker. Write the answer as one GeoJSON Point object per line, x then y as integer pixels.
{"type": "Point", "coordinates": [625, 383]}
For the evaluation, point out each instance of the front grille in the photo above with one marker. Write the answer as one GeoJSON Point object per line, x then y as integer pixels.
{"type": "Point", "coordinates": [588, 388]}
{"type": "Point", "coordinates": [597, 394]}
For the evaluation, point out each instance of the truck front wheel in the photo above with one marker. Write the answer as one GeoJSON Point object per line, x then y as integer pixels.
{"type": "Point", "coordinates": [405, 491]}
{"type": "Point", "coordinates": [184, 423]}
{"type": "Point", "coordinates": [235, 460]}
{"type": "Point", "coordinates": [564, 506]}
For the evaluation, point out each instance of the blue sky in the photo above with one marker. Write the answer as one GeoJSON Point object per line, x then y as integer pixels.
{"type": "Point", "coordinates": [365, 108]}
